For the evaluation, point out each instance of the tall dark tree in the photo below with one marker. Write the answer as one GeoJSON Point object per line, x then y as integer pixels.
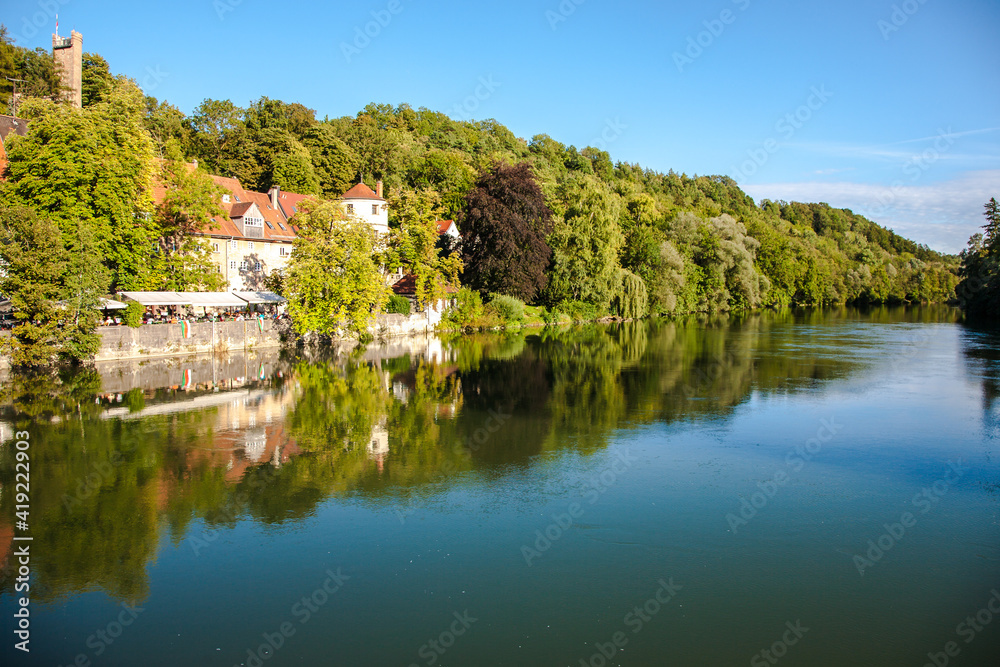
{"type": "Point", "coordinates": [504, 228]}
{"type": "Point", "coordinates": [979, 291]}
{"type": "Point", "coordinates": [991, 237]}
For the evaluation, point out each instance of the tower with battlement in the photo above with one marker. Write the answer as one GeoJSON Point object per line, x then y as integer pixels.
{"type": "Point", "coordinates": [68, 55]}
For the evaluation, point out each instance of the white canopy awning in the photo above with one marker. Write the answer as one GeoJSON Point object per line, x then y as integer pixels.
{"type": "Point", "coordinates": [214, 299]}
{"type": "Point", "coordinates": [209, 299]}
{"type": "Point", "coordinates": [111, 304]}
{"type": "Point", "coordinates": [261, 297]}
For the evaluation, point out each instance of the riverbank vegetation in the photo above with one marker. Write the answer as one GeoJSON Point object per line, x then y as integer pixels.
{"type": "Point", "coordinates": [979, 291]}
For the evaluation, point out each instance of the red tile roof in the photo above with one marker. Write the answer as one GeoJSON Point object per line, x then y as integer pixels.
{"type": "Point", "coordinates": [361, 191]}
{"type": "Point", "coordinates": [289, 203]}
{"type": "Point", "coordinates": [407, 286]}
{"type": "Point", "coordinates": [239, 210]}
{"type": "Point", "coordinates": [276, 223]}
{"type": "Point", "coordinates": [444, 225]}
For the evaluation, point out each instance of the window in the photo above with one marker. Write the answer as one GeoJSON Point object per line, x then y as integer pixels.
{"type": "Point", "coordinates": [237, 197]}
{"type": "Point", "coordinates": [268, 223]}
{"type": "Point", "coordinates": [350, 209]}
{"type": "Point", "coordinates": [283, 251]}
{"type": "Point", "coordinates": [215, 247]}
{"type": "Point", "coordinates": [374, 209]}
{"type": "Point", "coordinates": [243, 265]}
{"type": "Point", "coordinates": [236, 244]}
{"type": "Point", "coordinates": [256, 267]}
{"type": "Point", "coordinates": [251, 221]}
{"type": "Point", "coordinates": [225, 199]}
{"type": "Point", "coordinates": [249, 245]}
{"type": "Point", "coordinates": [232, 264]}
{"type": "Point", "coordinates": [281, 225]}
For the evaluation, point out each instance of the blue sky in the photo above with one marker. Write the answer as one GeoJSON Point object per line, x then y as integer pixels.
{"type": "Point", "coordinates": [889, 108]}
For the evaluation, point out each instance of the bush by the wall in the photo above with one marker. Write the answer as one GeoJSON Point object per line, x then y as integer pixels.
{"type": "Point", "coordinates": [133, 314]}
{"type": "Point", "coordinates": [468, 310]}
{"type": "Point", "coordinates": [579, 311]}
{"type": "Point", "coordinates": [509, 309]}
{"type": "Point", "coordinates": [398, 305]}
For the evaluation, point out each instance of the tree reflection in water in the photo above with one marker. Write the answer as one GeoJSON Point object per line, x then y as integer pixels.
{"type": "Point", "coordinates": [385, 431]}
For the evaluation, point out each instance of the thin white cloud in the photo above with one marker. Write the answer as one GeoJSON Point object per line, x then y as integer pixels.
{"type": "Point", "coordinates": [942, 215]}
{"type": "Point", "coordinates": [888, 152]}
{"type": "Point", "coordinates": [950, 135]}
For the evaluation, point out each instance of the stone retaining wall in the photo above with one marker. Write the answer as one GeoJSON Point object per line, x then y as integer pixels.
{"type": "Point", "coordinates": [167, 340]}
{"type": "Point", "coordinates": [164, 340]}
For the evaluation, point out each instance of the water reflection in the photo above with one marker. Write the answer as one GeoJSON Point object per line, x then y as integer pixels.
{"type": "Point", "coordinates": [124, 456]}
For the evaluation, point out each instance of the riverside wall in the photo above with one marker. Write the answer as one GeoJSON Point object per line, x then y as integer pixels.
{"type": "Point", "coordinates": [168, 340]}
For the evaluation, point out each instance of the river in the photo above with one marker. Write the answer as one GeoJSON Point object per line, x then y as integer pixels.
{"type": "Point", "coordinates": [797, 487]}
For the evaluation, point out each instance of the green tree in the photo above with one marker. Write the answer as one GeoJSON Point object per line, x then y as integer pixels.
{"type": "Point", "coordinates": [333, 284]}
{"type": "Point", "coordinates": [94, 167]}
{"type": "Point", "coordinates": [284, 162]}
{"type": "Point", "coordinates": [190, 201]}
{"type": "Point", "coordinates": [991, 235]}
{"type": "Point", "coordinates": [97, 80]}
{"type": "Point", "coordinates": [415, 246]}
{"type": "Point", "coordinates": [165, 123]}
{"type": "Point", "coordinates": [585, 244]}
{"type": "Point", "coordinates": [8, 69]}
{"type": "Point", "coordinates": [335, 164]}
{"type": "Point", "coordinates": [54, 280]}
{"type": "Point", "coordinates": [979, 290]}
{"type": "Point", "coordinates": [220, 137]}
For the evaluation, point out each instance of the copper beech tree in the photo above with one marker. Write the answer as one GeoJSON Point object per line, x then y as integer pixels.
{"type": "Point", "coordinates": [504, 228]}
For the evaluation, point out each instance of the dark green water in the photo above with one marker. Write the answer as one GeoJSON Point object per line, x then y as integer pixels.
{"type": "Point", "coordinates": [821, 485]}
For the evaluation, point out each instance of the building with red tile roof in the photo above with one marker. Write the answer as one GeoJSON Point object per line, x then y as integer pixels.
{"type": "Point", "coordinates": [367, 205]}
{"type": "Point", "coordinates": [255, 236]}
{"type": "Point", "coordinates": [448, 227]}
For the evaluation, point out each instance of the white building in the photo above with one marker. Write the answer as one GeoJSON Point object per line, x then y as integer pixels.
{"type": "Point", "coordinates": [361, 203]}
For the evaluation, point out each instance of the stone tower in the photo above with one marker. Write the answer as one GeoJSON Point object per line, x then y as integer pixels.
{"type": "Point", "coordinates": [68, 55]}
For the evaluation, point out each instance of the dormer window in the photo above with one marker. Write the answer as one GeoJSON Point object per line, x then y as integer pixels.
{"type": "Point", "coordinates": [250, 221]}
{"type": "Point", "coordinates": [225, 199]}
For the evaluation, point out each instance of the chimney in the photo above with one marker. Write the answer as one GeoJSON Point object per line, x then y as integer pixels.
{"type": "Point", "coordinates": [274, 192]}
{"type": "Point", "coordinates": [378, 189]}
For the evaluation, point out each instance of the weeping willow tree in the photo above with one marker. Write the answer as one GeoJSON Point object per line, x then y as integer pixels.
{"type": "Point", "coordinates": [632, 300]}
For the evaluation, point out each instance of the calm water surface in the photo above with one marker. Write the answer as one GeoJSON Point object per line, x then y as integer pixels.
{"type": "Point", "coordinates": [823, 486]}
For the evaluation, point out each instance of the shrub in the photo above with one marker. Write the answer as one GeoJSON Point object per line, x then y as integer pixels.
{"type": "Point", "coordinates": [509, 309]}
{"type": "Point", "coordinates": [399, 305]}
{"type": "Point", "coordinates": [579, 310]}
{"type": "Point", "coordinates": [468, 309]}
{"type": "Point", "coordinates": [133, 314]}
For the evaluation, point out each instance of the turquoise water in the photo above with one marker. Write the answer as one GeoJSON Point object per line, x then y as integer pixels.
{"type": "Point", "coordinates": [822, 486]}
